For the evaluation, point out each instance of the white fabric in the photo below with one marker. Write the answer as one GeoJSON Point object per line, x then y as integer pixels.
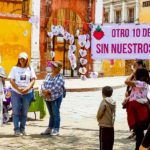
{"type": "Point", "coordinates": [22, 76]}
{"type": "Point", "coordinates": [110, 100]}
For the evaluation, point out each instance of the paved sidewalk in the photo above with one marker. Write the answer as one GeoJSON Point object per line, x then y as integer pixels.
{"type": "Point", "coordinates": [77, 85]}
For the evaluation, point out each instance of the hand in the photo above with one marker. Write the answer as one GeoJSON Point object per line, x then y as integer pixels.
{"type": "Point", "coordinates": [142, 148]}
{"type": "Point", "coordinates": [46, 94]}
{"type": "Point", "coordinates": [25, 90]}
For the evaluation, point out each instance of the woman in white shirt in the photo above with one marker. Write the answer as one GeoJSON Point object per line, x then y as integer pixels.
{"type": "Point", "coordinates": [22, 78]}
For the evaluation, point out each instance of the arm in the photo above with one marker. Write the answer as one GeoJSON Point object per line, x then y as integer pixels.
{"type": "Point", "coordinates": [29, 87]}
{"type": "Point", "coordinates": [101, 111]}
{"type": "Point", "coordinates": [129, 81]}
{"type": "Point", "coordinates": [14, 85]}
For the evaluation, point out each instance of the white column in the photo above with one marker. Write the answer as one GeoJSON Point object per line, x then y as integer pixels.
{"type": "Point", "coordinates": [98, 20]}
{"type": "Point", "coordinates": [99, 12]}
{"type": "Point", "coordinates": [137, 11]}
{"type": "Point", "coordinates": [35, 49]}
{"type": "Point", "coordinates": [124, 12]}
{"type": "Point", "coordinates": [111, 15]}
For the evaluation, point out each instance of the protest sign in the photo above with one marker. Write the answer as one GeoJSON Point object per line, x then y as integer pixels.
{"type": "Point", "coordinates": [127, 41]}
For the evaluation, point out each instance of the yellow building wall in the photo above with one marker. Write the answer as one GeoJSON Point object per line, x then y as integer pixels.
{"type": "Point", "coordinates": [15, 37]}
{"type": "Point", "coordinates": [144, 13]}
{"type": "Point", "coordinates": [144, 16]}
{"type": "Point", "coordinates": [117, 69]}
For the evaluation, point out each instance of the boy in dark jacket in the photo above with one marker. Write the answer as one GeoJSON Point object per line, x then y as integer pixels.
{"type": "Point", "coordinates": [106, 118]}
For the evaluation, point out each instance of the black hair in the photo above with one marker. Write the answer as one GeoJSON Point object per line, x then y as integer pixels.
{"type": "Point", "coordinates": [142, 74]}
{"type": "Point", "coordinates": [141, 62]}
{"type": "Point", "coordinates": [107, 91]}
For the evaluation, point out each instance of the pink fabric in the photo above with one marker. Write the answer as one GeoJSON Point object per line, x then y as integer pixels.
{"type": "Point", "coordinates": [140, 91]}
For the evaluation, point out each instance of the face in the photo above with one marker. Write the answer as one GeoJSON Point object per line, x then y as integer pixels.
{"type": "Point", "coordinates": [22, 62]}
{"type": "Point", "coordinates": [55, 69]}
{"type": "Point", "coordinates": [136, 65]}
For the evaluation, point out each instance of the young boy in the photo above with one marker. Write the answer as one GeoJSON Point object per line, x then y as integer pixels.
{"type": "Point", "coordinates": [106, 118]}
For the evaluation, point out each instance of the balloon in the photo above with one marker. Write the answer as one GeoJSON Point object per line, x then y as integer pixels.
{"type": "Point", "coordinates": [72, 48]}
{"type": "Point", "coordinates": [52, 54]}
{"type": "Point", "coordinates": [83, 61]}
{"type": "Point", "coordinates": [94, 74]}
{"type": "Point", "coordinates": [82, 52]}
{"type": "Point", "coordinates": [87, 45]}
{"type": "Point", "coordinates": [83, 77]}
{"type": "Point", "coordinates": [82, 70]}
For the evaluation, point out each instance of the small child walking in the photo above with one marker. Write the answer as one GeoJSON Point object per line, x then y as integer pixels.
{"type": "Point", "coordinates": [106, 118]}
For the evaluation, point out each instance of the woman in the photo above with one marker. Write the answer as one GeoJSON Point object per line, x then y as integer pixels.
{"type": "Point", "coordinates": [22, 78]}
{"type": "Point", "coordinates": [136, 65]}
{"type": "Point", "coordinates": [137, 111]}
{"type": "Point", "coordinates": [52, 89]}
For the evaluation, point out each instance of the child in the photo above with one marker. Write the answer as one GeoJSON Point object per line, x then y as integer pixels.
{"type": "Point", "coordinates": [106, 118]}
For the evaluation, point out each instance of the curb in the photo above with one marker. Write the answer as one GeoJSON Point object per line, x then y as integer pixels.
{"type": "Point", "coordinates": [92, 89]}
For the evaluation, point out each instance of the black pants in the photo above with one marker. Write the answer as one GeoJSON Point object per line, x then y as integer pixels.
{"type": "Point", "coordinates": [139, 132]}
{"type": "Point", "coordinates": [106, 138]}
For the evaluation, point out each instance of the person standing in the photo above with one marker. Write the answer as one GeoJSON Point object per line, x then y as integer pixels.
{"type": "Point", "coordinates": [2, 83]}
{"type": "Point", "coordinates": [52, 91]}
{"type": "Point", "coordinates": [106, 118]}
{"type": "Point", "coordinates": [137, 110]}
{"type": "Point", "coordinates": [22, 78]}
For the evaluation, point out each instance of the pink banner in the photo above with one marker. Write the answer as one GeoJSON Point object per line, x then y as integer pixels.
{"type": "Point", "coordinates": [127, 41]}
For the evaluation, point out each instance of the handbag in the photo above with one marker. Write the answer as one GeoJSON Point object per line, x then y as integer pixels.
{"type": "Point", "coordinates": [148, 104]}
{"type": "Point", "coordinates": [33, 98]}
{"type": "Point", "coordinates": [64, 92]}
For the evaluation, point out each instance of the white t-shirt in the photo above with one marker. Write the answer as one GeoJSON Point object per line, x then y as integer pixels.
{"type": "Point", "coordinates": [22, 76]}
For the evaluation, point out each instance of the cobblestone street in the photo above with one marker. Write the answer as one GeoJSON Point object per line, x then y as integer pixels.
{"type": "Point", "coordinates": [79, 128]}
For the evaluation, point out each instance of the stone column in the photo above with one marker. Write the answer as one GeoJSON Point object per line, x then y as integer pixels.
{"type": "Point", "coordinates": [98, 20]}
{"type": "Point", "coordinates": [111, 15]}
{"type": "Point", "coordinates": [35, 50]}
{"type": "Point", "coordinates": [124, 12]}
{"type": "Point", "coordinates": [137, 11]}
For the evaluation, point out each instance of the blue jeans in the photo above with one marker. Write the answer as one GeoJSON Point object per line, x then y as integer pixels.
{"type": "Point", "coordinates": [20, 106]}
{"type": "Point", "coordinates": [53, 108]}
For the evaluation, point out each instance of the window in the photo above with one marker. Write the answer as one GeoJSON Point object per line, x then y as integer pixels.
{"type": "Point", "coordinates": [131, 15]}
{"type": "Point", "coordinates": [118, 16]}
{"type": "Point", "coordinates": [146, 4]}
{"type": "Point", "coordinates": [106, 17]}
{"type": "Point", "coordinates": [14, 9]}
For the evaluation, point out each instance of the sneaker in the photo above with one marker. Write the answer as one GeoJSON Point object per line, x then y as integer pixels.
{"type": "Point", "coordinates": [54, 133]}
{"type": "Point", "coordinates": [132, 136]}
{"type": "Point", "coordinates": [46, 132]}
{"type": "Point", "coordinates": [17, 133]}
{"type": "Point", "coordinates": [23, 133]}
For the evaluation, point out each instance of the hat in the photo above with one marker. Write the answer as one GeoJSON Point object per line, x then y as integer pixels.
{"type": "Point", "coordinates": [57, 64]}
{"type": "Point", "coordinates": [23, 55]}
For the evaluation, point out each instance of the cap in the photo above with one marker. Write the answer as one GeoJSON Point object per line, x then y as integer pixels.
{"type": "Point", "coordinates": [23, 55]}
{"type": "Point", "coordinates": [57, 64]}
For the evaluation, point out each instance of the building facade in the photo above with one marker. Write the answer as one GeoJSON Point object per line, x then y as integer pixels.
{"type": "Point", "coordinates": [121, 11]}
{"type": "Point", "coordinates": [15, 33]}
